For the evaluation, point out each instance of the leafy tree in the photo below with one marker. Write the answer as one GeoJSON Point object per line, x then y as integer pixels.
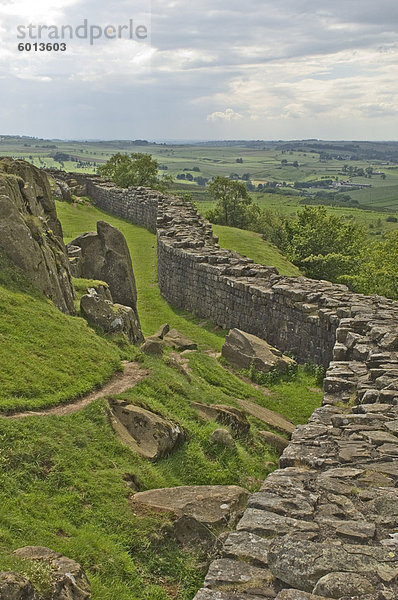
{"type": "Point", "coordinates": [323, 246]}
{"type": "Point", "coordinates": [378, 273]}
{"type": "Point", "coordinates": [133, 170]}
{"type": "Point", "coordinates": [232, 202]}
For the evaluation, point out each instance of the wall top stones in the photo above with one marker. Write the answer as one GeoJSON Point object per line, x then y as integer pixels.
{"type": "Point", "coordinates": [325, 523]}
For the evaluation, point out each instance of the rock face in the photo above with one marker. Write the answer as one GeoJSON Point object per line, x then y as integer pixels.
{"type": "Point", "coordinates": [67, 579]}
{"type": "Point", "coordinates": [105, 256]}
{"type": "Point", "coordinates": [147, 434]}
{"type": "Point", "coordinates": [242, 350]}
{"type": "Point", "coordinates": [30, 233]}
{"type": "Point", "coordinates": [199, 511]}
{"type": "Point", "coordinates": [112, 318]}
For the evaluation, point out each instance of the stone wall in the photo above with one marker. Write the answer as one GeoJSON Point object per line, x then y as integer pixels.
{"type": "Point", "coordinates": [326, 522]}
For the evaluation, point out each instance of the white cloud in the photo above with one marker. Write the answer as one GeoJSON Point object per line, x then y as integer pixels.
{"type": "Point", "coordinates": [228, 115]}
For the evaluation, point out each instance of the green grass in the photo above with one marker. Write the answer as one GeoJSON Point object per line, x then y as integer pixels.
{"type": "Point", "coordinates": [251, 244]}
{"type": "Point", "coordinates": [152, 308]}
{"type": "Point", "coordinates": [46, 357]}
{"type": "Point", "coordinates": [62, 480]}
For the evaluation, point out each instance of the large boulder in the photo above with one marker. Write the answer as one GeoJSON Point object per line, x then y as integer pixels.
{"type": "Point", "coordinates": [244, 350]}
{"type": "Point", "coordinates": [68, 580]}
{"type": "Point", "coordinates": [200, 512]}
{"type": "Point", "coordinates": [104, 255]}
{"type": "Point", "coordinates": [148, 434]}
{"type": "Point", "coordinates": [112, 318]}
{"type": "Point", "coordinates": [30, 232]}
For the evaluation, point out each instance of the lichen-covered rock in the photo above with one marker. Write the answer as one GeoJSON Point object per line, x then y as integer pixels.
{"type": "Point", "coordinates": [241, 577]}
{"type": "Point", "coordinates": [14, 586]}
{"type": "Point", "coordinates": [104, 255]}
{"type": "Point", "coordinates": [175, 339]}
{"type": "Point", "coordinates": [112, 318]}
{"type": "Point", "coordinates": [337, 585]}
{"type": "Point", "coordinates": [302, 564]}
{"type": "Point", "coordinates": [298, 595]}
{"type": "Point", "coordinates": [30, 233]}
{"type": "Point", "coordinates": [199, 511]}
{"type": "Point", "coordinates": [244, 350]}
{"type": "Point", "coordinates": [148, 434]}
{"type": "Point", "coordinates": [153, 345]}
{"type": "Point", "coordinates": [68, 580]}
{"type": "Point", "coordinates": [223, 438]}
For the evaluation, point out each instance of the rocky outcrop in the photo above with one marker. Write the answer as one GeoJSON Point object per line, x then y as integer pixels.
{"type": "Point", "coordinates": [200, 512]}
{"type": "Point", "coordinates": [67, 580]}
{"type": "Point", "coordinates": [111, 318]}
{"type": "Point", "coordinates": [104, 255]}
{"type": "Point", "coordinates": [244, 350]}
{"type": "Point", "coordinates": [146, 433]}
{"type": "Point", "coordinates": [30, 233]}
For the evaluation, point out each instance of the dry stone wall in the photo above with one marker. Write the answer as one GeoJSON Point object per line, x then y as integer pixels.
{"type": "Point", "coordinates": [325, 524]}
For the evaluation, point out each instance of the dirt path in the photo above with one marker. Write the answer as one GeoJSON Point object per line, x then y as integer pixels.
{"type": "Point", "coordinates": [132, 373]}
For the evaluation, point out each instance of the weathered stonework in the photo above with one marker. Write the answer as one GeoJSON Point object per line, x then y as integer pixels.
{"type": "Point", "coordinates": [332, 507]}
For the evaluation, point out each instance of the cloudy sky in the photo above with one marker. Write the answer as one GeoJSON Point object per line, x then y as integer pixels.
{"type": "Point", "coordinates": [210, 69]}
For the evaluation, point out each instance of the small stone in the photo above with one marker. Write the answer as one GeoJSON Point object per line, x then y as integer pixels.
{"type": "Point", "coordinates": [223, 438]}
{"type": "Point", "coordinates": [153, 346]}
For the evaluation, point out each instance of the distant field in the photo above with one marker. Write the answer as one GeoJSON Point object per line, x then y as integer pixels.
{"type": "Point", "coordinates": [261, 162]}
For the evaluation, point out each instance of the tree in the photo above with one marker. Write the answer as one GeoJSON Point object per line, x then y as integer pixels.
{"type": "Point", "coordinates": [232, 202]}
{"type": "Point", "coordinates": [135, 169]}
{"type": "Point", "coordinates": [378, 273]}
{"type": "Point", "coordinates": [322, 245]}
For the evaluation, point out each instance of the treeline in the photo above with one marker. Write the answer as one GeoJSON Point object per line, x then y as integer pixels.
{"type": "Point", "coordinates": [321, 245]}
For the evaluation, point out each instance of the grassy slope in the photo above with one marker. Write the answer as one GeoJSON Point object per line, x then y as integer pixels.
{"type": "Point", "coordinates": [153, 310]}
{"type": "Point", "coordinates": [62, 478]}
{"type": "Point", "coordinates": [250, 244]}
{"type": "Point", "coordinates": [46, 357]}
